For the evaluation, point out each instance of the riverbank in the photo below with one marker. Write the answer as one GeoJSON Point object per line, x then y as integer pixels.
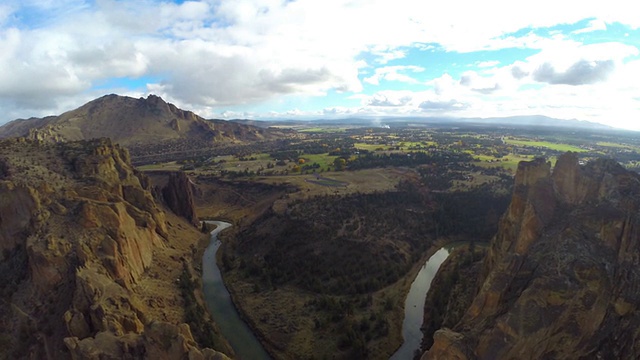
{"type": "Point", "coordinates": [290, 324]}
{"type": "Point", "coordinates": [220, 306]}
{"type": "Point", "coordinates": [196, 312]}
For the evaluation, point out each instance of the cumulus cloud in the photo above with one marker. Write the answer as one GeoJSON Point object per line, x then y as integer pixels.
{"type": "Point", "coordinates": [383, 56]}
{"type": "Point", "coordinates": [389, 98]}
{"type": "Point", "coordinates": [446, 105]}
{"type": "Point", "coordinates": [479, 84]}
{"type": "Point", "coordinates": [444, 84]}
{"type": "Point", "coordinates": [518, 73]}
{"type": "Point", "coordinates": [208, 55]}
{"type": "Point", "coordinates": [487, 90]}
{"type": "Point", "coordinates": [337, 111]}
{"type": "Point", "coordinates": [581, 73]}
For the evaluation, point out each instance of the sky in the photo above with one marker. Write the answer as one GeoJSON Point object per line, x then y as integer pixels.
{"type": "Point", "coordinates": [311, 59]}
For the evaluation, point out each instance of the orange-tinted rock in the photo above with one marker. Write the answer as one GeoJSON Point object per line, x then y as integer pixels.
{"type": "Point", "coordinates": [562, 276]}
{"type": "Point", "coordinates": [448, 345]}
{"type": "Point", "coordinates": [82, 227]}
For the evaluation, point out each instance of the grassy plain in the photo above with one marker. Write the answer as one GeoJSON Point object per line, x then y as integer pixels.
{"type": "Point", "coordinates": [323, 129]}
{"type": "Point", "coordinates": [509, 162]}
{"type": "Point", "coordinates": [617, 145]}
{"type": "Point", "coordinates": [370, 147]}
{"type": "Point", "coordinates": [544, 144]}
{"type": "Point", "coordinates": [363, 181]}
{"type": "Point", "coordinates": [170, 166]}
{"type": "Point", "coordinates": [324, 160]}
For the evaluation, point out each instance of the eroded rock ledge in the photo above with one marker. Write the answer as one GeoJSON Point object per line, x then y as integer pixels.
{"type": "Point", "coordinates": [562, 276]}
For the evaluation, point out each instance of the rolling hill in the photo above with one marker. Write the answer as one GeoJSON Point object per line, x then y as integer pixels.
{"type": "Point", "coordinates": [136, 123]}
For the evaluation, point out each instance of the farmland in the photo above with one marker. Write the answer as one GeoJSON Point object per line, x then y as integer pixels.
{"type": "Point", "coordinates": [307, 206]}
{"type": "Point", "coordinates": [334, 150]}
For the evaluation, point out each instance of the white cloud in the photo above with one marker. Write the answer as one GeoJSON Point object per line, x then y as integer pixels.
{"type": "Point", "coordinates": [580, 73]}
{"type": "Point", "coordinates": [487, 64]}
{"type": "Point", "coordinates": [212, 54]}
{"type": "Point", "coordinates": [480, 84]}
{"type": "Point", "coordinates": [5, 11]}
{"type": "Point", "coordinates": [594, 25]}
{"type": "Point", "coordinates": [383, 56]}
{"type": "Point", "coordinates": [394, 73]}
{"type": "Point", "coordinates": [389, 98]}
{"type": "Point", "coordinates": [443, 106]}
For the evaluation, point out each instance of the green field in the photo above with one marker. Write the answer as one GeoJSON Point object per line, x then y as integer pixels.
{"type": "Point", "coordinates": [616, 145]}
{"type": "Point", "coordinates": [407, 144]}
{"type": "Point", "coordinates": [369, 147]}
{"type": "Point", "coordinates": [322, 130]}
{"type": "Point", "coordinates": [509, 162]}
{"type": "Point", "coordinates": [324, 160]}
{"type": "Point", "coordinates": [170, 166]}
{"type": "Point", "coordinates": [544, 144]}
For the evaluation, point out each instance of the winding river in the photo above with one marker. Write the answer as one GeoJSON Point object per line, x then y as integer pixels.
{"type": "Point", "coordinates": [247, 346]}
{"type": "Point", "coordinates": [242, 340]}
{"type": "Point", "coordinates": [414, 305]}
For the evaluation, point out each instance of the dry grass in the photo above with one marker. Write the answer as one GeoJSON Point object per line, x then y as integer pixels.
{"type": "Point", "coordinates": [361, 181]}
{"type": "Point", "coordinates": [158, 288]}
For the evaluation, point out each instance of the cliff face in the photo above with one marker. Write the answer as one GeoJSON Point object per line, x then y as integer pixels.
{"type": "Point", "coordinates": [78, 231]}
{"type": "Point", "coordinates": [562, 276]}
{"type": "Point", "coordinates": [178, 195]}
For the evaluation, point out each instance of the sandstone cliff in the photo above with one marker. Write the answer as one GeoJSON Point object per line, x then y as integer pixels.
{"type": "Point", "coordinates": [561, 279]}
{"type": "Point", "coordinates": [80, 239]}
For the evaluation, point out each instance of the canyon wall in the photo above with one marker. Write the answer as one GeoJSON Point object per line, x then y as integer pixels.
{"type": "Point", "coordinates": [561, 278]}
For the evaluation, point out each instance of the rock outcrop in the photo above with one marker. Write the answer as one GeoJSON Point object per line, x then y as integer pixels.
{"type": "Point", "coordinates": [178, 195]}
{"type": "Point", "coordinates": [79, 230]}
{"type": "Point", "coordinates": [562, 276]}
{"type": "Point", "coordinates": [160, 341]}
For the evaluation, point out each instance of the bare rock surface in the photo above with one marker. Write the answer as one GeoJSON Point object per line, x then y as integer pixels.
{"type": "Point", "coordinates": [562, 275]}
{"type": "Point", "coordinates": [88, 260]}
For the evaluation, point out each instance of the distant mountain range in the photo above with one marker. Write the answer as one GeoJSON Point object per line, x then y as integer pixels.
{"type": "Point", "coordinates": [134, 122]}
{"type": "Point", "coordinates": [145, 123]}
{"type": "Point", "coordinates": [511, 121]}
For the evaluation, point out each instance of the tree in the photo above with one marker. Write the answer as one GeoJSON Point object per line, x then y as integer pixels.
{"type": "Point", "coordinates": [339, 163]}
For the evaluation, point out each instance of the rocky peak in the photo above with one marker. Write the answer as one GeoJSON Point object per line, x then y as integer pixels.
{"type": "Point", "coordinates": [529, 173]}
{"type": "Point", "coordinates": [575, 184]}
{"type": "Point", "coordinates": [561, 276]}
